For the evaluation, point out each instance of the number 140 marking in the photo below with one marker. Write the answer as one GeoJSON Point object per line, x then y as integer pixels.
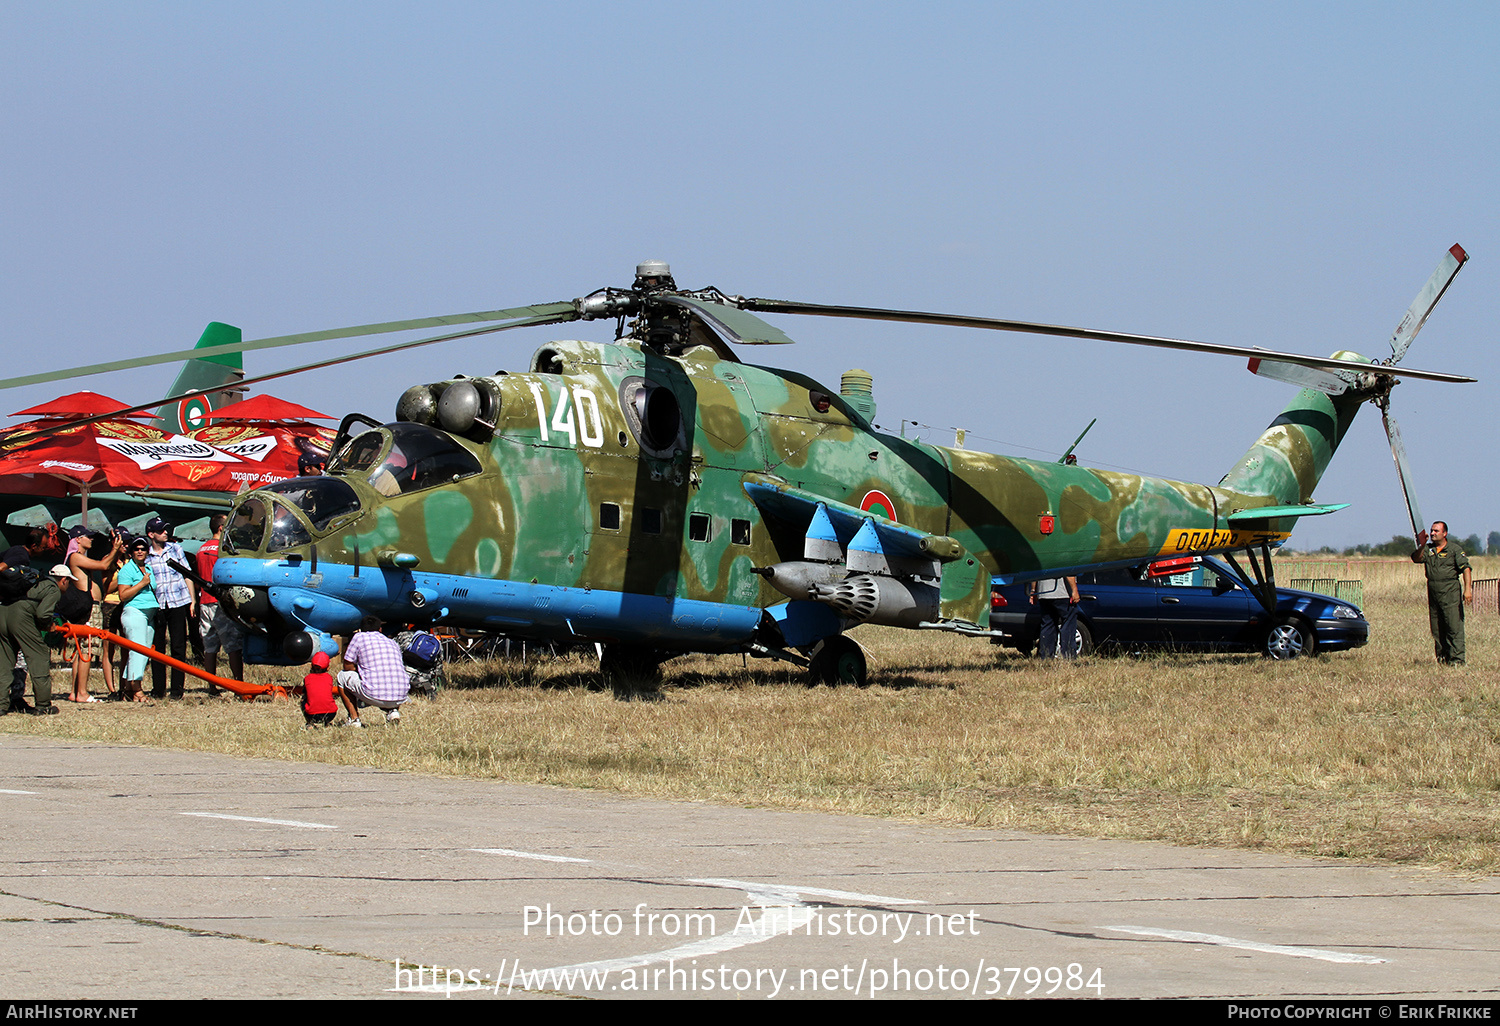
{"type": "Point", "coordinates": [586, 427]}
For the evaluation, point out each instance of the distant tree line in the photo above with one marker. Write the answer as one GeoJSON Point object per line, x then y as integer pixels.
{"type": "Point", "coordinates": [1402, 544]}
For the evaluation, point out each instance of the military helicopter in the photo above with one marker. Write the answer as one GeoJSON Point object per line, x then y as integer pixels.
{"type": "Point", "coordinates": [657, 494]}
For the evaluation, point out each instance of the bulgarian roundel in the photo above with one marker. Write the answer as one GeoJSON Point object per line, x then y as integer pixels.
{"type": "Point", "coordinates": [192, 413]}
{"type": "Point", "coordinates": [879, 503]}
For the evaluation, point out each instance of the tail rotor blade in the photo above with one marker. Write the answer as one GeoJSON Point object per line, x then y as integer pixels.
{"type": "Point", "coordinates": [1398, 450]}
{"type": "Point", "coordinates": [1416, 314]}
{"type": "Point", "coordinates": [1331, 382]}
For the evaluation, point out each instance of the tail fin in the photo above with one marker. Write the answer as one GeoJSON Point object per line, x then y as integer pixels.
{"type": "Point", "coordinates": [1289, 458]}
{"type": "Point", "coordinates": [225, 369]}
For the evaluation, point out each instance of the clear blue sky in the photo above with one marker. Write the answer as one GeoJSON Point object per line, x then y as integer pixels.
{"type": "Point", "coordinates": [1283, 175]}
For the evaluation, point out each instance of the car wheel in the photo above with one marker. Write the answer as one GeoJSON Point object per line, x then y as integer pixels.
{"type": "Point", "coordinates": [1085, 640]}
{"type": "Point", "coordinates": [1288, 639]}
{"type": "Point", "coordinates": [840, 660]}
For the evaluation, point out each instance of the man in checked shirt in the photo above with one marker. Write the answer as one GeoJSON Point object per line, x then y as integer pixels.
{"type": "Point", "coordinates": [177, 598]}
{"type": "Point", "coordinates": [373, 674]}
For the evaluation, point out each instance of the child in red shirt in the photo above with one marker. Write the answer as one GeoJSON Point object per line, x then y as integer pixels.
{"type": "Point", "coordinates": [317, 690]}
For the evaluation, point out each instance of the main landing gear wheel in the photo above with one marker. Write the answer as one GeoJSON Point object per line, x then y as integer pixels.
{"type": "Point", "coordinates": [838, 660]}
{"type": "Point", "coordinates": [631, 671]}
{"type": "Point", "coordinates": [1289, 639]}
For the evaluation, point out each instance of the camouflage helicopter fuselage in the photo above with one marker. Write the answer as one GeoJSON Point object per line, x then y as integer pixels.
{"type": "Point", "coordinates": [695, 502]}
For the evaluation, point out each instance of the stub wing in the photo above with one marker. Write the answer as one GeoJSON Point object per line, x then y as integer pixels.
{"type": "Point", "coordinates": [783, 501]}
{"type": "Point", "coordinates": [865, 568]}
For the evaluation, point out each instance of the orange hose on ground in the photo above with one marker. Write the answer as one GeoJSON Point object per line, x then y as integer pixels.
{"type": "Point", "coordinates": [239, 687]}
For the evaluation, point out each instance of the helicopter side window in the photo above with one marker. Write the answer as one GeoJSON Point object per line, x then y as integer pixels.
{"type": "Point", "coordinates": [423, 457]}
{"type": "Point", "coordinates": [359, 455]}
{"type": "Point", "coordinates": [609, 516]}
{"type": "Point", "coordinates": [246, 528]}
{"type": "Point", "coordinates": [321, 499]}
{"type": "Point", "coordinates": [406, 457]}
{"type": "Point", "coordinates": [698, 527]}
{"type": "Point", "coordinates": [739, 531]}
{"type": "Point", "coordinates": [287, 529]}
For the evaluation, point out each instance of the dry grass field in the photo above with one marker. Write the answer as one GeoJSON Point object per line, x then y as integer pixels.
{"type": "Point", "coordinates": [1374, 754]}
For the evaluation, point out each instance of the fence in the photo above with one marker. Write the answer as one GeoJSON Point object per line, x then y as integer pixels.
{"type": "Point", "coordinates": [1345, 590]}
{"type": "Point", "coordinates": [1486, 596]}
{"type": "Point", "coordinates": [1313, 569]}
{"type": "Point", "coordinates": [1486, 591]}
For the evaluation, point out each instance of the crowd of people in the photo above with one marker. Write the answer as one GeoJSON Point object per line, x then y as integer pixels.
{"type": "Point", "coordinates": [130, 587]}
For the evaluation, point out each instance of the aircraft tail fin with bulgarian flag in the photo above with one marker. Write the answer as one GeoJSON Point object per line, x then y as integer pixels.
{"type": "Point", "coordinates": [226, 369]}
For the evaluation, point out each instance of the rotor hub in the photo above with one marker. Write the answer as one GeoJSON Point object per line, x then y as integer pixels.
{"type": "Point", "coordinates": [653, 276]}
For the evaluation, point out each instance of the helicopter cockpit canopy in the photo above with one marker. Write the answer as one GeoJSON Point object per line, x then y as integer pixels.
{"type": "Point", "coordinates": [404, 457]}
{"type": "Point", "coordinates": [290, 508]}
{"type": "Point", "coordinates": [246, 530]}
{"type": "Point", "coordinates": [396, 459]}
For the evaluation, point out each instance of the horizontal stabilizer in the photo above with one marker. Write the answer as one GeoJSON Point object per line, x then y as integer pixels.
{"type": "Point", "coordinates": [1276, 512]}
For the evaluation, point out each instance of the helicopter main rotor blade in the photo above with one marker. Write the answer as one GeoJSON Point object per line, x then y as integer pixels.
{"type": "Point", "coordinates": [526, 322]}
{"type": "Point", "coordinates": [1403, 471]}
{"type": "Point", "coordinates": [730, 321]}
{"type": "Point", "coordinates": [1416, 314]}
{"type": "Point", "coordinates": [996, 324]}
{"type": "Point", "coordinates": [553, 310]}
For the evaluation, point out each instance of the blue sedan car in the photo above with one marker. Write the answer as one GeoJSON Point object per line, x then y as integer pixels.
{"type": "Point", "coordinates": [1196, 603]}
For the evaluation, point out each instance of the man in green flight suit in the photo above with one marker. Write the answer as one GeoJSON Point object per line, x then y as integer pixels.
{"type": "Point", "coordinates": [1450, 587]}
{"type": "Point", "coordinates": [27, 603]}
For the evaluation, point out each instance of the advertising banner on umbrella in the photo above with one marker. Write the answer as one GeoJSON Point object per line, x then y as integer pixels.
{"type": "Point", "coordinates": [115, 454]}
{"type": "Point", "coordinates": [119, 453]}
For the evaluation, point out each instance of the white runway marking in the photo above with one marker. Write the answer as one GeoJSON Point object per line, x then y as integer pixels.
{"type": "Point", "coordinates": [778, 904]}
{"type": "Point", "coordinates": [794, 891]}
{"type": "Point", "coordinates": [6, 790]}
{"type": "Point", "coordinates": [527, 855]}
{"type": "Point", "coordinates": [775, 919]}
{"type": "Point", "coordinates": [257, 819]}
{"type": "Point", "coordinates": [1248, 945]}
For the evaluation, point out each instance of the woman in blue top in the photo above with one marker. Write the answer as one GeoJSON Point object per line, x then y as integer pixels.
{"type": "Point", "coordinates": [137, 613]}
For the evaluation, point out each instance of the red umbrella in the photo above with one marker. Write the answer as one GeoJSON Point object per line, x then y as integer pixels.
{"type": "Point", "coordinates": [266, 408]}
{"type": "Point", "coordinates": [74, 406]}
{"type": "Point", "coordinates": [116, 452]}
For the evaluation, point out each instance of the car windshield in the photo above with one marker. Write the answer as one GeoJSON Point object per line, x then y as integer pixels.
{"type": "Point", "coordinates": [405, 457]}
